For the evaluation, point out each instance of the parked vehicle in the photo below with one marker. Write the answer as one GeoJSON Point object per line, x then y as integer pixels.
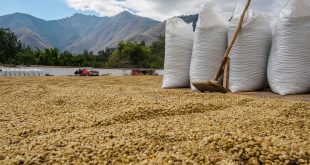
{"type": "Point", "coordinates": [93, 73]}
{"type": "Point", "coordinates": [85, 72]}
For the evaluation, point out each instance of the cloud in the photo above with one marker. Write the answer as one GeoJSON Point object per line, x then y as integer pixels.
{"type": "Point", "coordinates": [102, 7]}
{"type": "Point", "coordinates": [158, 9]}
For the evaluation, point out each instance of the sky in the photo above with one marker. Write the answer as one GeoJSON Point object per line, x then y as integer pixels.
{"type": "Point", "coordinates": [45, 9]}
{"type": "Point", "coordinates": [156, 9]}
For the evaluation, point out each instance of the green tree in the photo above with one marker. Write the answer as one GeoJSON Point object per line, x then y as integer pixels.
{"type": "Point", "coordinates": [126, 55]}
{"type": "Point", "coordinates": [157, 57]}
{"type": "Point", "coordinates": [10, 46]}
{"type": "Point", "coordinates": [52, 56]}
{"type": "Point", "coordinates": [88, 58]}
{"type": "Point", "coordinates": [130, 55]}
{"type": "Point", "coordinates": [25, 57]}
{"type": "Point", "coordinates": [118, 59]}
{"type": "Point", "coordinates": [66, 59]}
{"type": "Point", "coordinates": [40, 57]}
{"type": "Point", "coordinates": [104, 55]}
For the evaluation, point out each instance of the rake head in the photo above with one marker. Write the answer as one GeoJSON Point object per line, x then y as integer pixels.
{"type": "Point", "coordinates": [209, 86]}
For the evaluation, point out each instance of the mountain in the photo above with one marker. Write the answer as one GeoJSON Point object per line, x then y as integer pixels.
{"type": "Point", "coordinates": [150, 35]}
{"type": "Point", "coordinates": [190, 19]}
{"type": "Point", "coordinates": [78, 32]}
{"type": "Point", "coordinates": [154, 32]}
{"type": "Point", "coordinates": [111, 31]}
{"type": "Point", "coordinates": [82, 32]}
{"type": "Point", "coordinates": [31, 38]}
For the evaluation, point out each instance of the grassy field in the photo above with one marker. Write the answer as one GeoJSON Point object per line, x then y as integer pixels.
{"type": "Point", "coordinates": [131, 120]}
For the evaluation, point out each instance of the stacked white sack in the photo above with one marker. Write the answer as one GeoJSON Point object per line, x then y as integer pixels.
{"type": "Point", "coordinates": [4, 72]}
{"type": "Point", "coordinates": [179, 45]}
{"type": "Point", "coordinates": [289, 63]}
{"type": "Point", "coordinates": [23, 72]}
{"type": "Point", "coordinates": [10, 72]}
{"type": "Point", "coordinates": [249, 55]}
{"type": "Point", "coordinates": [41, 72]}
{"type": "Point", "coordinates": [210, 43]}
{"type": "Point", "coordinates": [36, 72]}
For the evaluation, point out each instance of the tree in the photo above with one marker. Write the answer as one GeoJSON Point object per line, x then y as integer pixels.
{"type": "Point", "coordinates": [157, 57]}
{"type": "Point", "coordinates": [40, 57]}
{"type": "Point", "coordinates": [25, 57]}
{"type": "Point", "coordinates": [130, 55]}
{"type": "Point", "coordinates": [10, 46]}
{"type": "Point", "coordinates": [126, 55]}
{"type": "Point", "coordinates": [104, 55]}
{"type": "Point", "coordinates": [66, 59]}
{"type": "Point", "coordinates": [54, 56]}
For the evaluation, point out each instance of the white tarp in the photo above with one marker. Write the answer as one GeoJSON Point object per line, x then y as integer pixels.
{"type": "Point", "coordinates": [179, 45]}
{"type": "Point", "coordinates": [249, 55]}
{"type": "Point", "coordinates": [289, 62]}
{"type": "Point", "coordinates": [210, 43]}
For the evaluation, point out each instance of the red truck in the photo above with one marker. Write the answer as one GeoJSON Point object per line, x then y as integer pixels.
{"type": "Point", "coordinates": [85, 72]}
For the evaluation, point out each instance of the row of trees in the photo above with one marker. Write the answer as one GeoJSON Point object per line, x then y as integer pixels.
{"type": "Point", "coordinates": [138, 55]}
{"type": "Point", "coordinates": [126, 55]}
{"type": "Point", "coordinates": [53, 57]}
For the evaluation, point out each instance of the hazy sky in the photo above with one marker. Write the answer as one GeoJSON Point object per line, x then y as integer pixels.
{"type": "Point", "coordinates": [156, 9]}
{"type": "Point", "coordinates": [46, 9]}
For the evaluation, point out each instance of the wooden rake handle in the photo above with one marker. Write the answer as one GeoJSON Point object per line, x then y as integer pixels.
{"type": "Point", "coordinates": [231, 44]}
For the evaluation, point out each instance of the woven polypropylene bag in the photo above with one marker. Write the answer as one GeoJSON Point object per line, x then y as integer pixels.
{"type": "Point", "coordinates": [250, 53]}
{"type": "Point", "coordinates": [289, 63]}
{"type": "Point", "coordinates": [210, 43]}
{"type": "Point", "coordinates": [178, 51]}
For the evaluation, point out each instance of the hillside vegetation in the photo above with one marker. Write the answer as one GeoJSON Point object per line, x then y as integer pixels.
{"type": "Point", "coordinates": [122, 41]}
{"type": "Point", "coordinates": [81, 32]}
{"type": "Point", "coordinates": [125, 55]}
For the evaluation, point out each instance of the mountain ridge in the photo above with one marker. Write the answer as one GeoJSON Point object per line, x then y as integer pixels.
{"type": "Point", "coordinates": [81, 32]}
{"type": "Point", "coordinates": [76, 33]}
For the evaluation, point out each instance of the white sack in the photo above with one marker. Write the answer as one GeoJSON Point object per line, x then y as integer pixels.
{"type": "Point", "coordinates": [179, 44]}
{"type": "Point", "coordinates": [22, 71]}
{"type": "Point", "coordinates": [31, 72]}
{"type": "Point", "coordinates": [249, 55]}
{"type": "Point", "coordinates": [289, 62]}
{"type": "Point", "coordinates": [9, 72]}
{"type": "Point", "coordinates": [36, 72]}
{"type": "Point", "coordinates": [4, 72]}
{"type": "Point", "coordinates": [41, 72]}
{"type": "Point", "coordinates": [27, 73]}
{"type": "Point", "coordinates": [13, 72]}
{"type": "Point", "coordinates": [210, 43]}
{"type": "Point", "coordinates": [18, 72]}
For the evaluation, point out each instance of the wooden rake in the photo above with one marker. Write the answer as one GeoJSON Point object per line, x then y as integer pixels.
{"type": "Point", "coordinates": [214, 85]}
